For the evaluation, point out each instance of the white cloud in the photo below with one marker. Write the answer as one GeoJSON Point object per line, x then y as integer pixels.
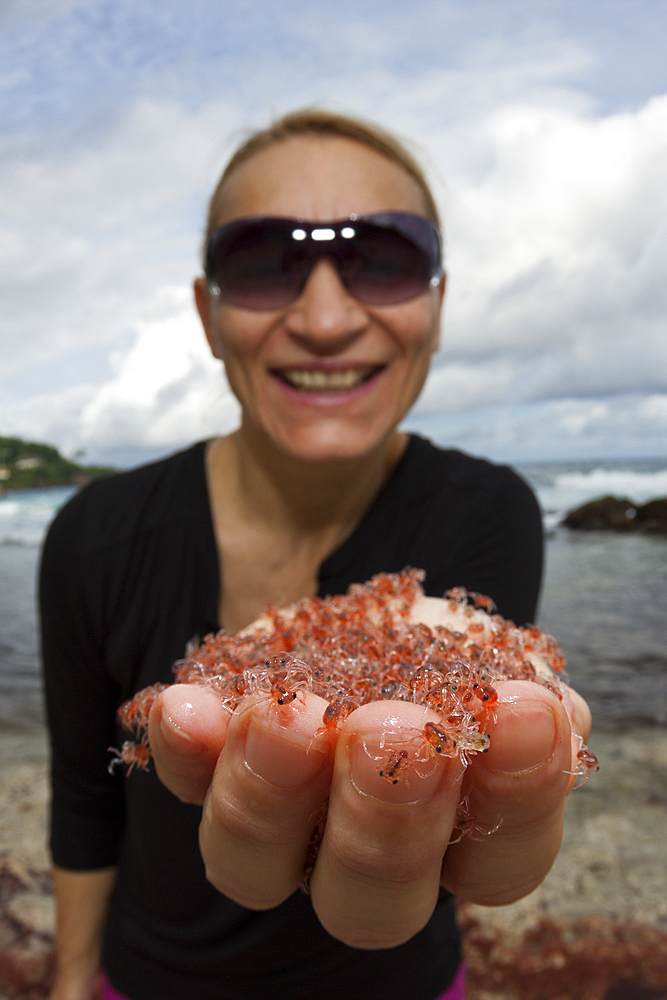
{"type": "Point", "coordinates": [557, 260]}
{"type": "Point", "coordinates": [568, 205]}
{"type": "Point", "coordinates": [556, 216]}
{"type": "Point", "coordinates": [559, 430]}
{"type": "Point", "coordinates": [654, 409]}
{"type": "Point", "coordinates": [87, 235]}
{"type": "Point", "coordinates": [574, 418]}
{"type": "Point", "coordinates": [167, 387]}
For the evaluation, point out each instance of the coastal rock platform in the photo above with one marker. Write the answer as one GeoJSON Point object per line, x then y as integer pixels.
{"type": "Point", "coordinates": [612, 513]}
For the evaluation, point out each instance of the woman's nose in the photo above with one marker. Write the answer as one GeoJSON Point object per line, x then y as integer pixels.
{"type": "Point", "coordinates": [325, 313]}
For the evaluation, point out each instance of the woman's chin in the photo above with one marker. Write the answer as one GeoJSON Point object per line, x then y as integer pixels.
{"type": "Point", "coordinates": [334, 444]}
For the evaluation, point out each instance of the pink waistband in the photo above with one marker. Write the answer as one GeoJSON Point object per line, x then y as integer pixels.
{"type": "Point", "coordinates": [108, 992]}
{"type": "Point", "coordinates": [455, 992]}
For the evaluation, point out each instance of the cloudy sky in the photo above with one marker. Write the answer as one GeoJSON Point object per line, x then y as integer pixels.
{"type": "Point", "coordinates": [543, 124]}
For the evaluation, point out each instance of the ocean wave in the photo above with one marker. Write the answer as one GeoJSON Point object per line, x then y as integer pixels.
{"type": "Point", "coordinates": [637, 486]}
{"type": "Point", "coordinates": [28, 539]}
{"type": "Point", "coordinates": [562, 487]}
{"type": "Point", "coordinates": [26, 514]}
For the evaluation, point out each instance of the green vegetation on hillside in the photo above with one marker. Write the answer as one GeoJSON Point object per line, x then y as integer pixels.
{"type": "Point", "coordinates": [28, 464]}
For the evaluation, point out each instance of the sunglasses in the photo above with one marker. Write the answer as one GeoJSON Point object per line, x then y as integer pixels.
{"type": "Point", "coordinates": [263, 262]}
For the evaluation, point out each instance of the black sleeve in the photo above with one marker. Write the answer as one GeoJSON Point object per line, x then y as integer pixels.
{"type": "Point", "coordinates": [87, 812]}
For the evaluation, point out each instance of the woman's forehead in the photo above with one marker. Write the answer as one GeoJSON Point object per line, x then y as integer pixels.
{"type": "Point", "coordinates": [319, 178]}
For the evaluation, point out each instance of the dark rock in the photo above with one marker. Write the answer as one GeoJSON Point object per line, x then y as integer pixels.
{"type": "Point", "coordinates": [617, 513]}
{"type": "Point", "coordinates": [612, 513]}
{"type": "Point", "coordinates": [652, 516]}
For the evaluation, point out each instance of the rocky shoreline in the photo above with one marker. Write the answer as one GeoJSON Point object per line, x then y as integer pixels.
{"type": "Point", "coordinates": [595, 930]}
{"type": "Point", "coordinates": [612, 513]}
{"type": "Point", "coordinates": [26, 904]}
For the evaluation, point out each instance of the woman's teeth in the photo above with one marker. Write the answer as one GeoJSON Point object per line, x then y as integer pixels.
{"type": "Point", "coordinates": [323, 381]}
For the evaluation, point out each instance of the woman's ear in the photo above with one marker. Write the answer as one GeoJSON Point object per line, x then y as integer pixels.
{"type": "Point", "coordinates": [203, 303]}
{"type": "Point", "coordinates": [440, 291]}
{"type": "Point", "coordinates": [443, 285]}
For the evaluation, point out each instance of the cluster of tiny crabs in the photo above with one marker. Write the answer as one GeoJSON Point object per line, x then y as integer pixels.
{"type": "Point", "coordinates": [363, 647]}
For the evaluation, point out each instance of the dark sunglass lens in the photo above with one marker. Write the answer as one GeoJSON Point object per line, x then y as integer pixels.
{"type": "Point", "coordinates": [254, 266]}
{"type": "Point", "coordinates": [263, 263]}
{"type": "Point", "coordinates": [388, 267]}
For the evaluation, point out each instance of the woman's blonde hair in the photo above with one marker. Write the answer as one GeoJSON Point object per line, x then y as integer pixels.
{"type": "Point", "coordinates": [316, 122]}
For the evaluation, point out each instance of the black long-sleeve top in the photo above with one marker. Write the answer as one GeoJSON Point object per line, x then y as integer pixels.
{"type": "Point", "coordinates": [129, 575]}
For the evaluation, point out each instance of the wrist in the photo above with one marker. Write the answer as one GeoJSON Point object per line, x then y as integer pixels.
{"type": "Point", "coordinates": [77, 983]}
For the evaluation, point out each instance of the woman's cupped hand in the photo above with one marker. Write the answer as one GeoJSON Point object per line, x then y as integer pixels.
{"type": "Point", "coordinates": [391, 836]}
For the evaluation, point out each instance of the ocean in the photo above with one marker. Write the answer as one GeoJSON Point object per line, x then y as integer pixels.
{"type": "Point", "coordinates": [604, 596]}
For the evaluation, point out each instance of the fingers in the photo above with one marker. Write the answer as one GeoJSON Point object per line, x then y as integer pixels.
{"type": "Point", "coordinates": [376, 879]}
{"type": "Point", "coordinates": [578, 711]}
{"type": "Point", "coordinates": [187, 730]}
{"type": "Point", "coordinates": [393, 803]}
{"type": "Point", "coordinates": [517, 790]}
{"type": "Point", "coordinates": [377, 876]}
{"type": "Point", "coordinates": [267, 791]}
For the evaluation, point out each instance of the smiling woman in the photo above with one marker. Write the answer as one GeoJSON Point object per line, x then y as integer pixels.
{"type": "Point", "coordinates": [326, 343]}
{"type": "Point", "coordinates": [322, 295]}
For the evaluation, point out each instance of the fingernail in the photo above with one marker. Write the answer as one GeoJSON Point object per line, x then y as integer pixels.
{"type": "Point", "coordinates": [524, 740]}
{"type": "Point", "coordinates": [191, 722]}
{"type": "Point", "coordinates": [392, 774]}
{"type": "Point", "coordinates": [282, 758]}
{"type": "Point", "coordinates": [176, 737]}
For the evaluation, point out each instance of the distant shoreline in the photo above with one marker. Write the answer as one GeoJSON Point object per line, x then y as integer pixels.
{"type": "Point", "coordinates": [36, 465]}
{"type": "Point", "coordinates": [73, 483]}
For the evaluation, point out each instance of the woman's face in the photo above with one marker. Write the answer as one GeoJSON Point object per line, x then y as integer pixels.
{"type": "Point", "coordinates": [326, 377]}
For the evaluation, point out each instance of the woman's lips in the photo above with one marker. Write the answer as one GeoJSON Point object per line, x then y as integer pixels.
{"type": "Point", "coordinates": [318, 380]}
